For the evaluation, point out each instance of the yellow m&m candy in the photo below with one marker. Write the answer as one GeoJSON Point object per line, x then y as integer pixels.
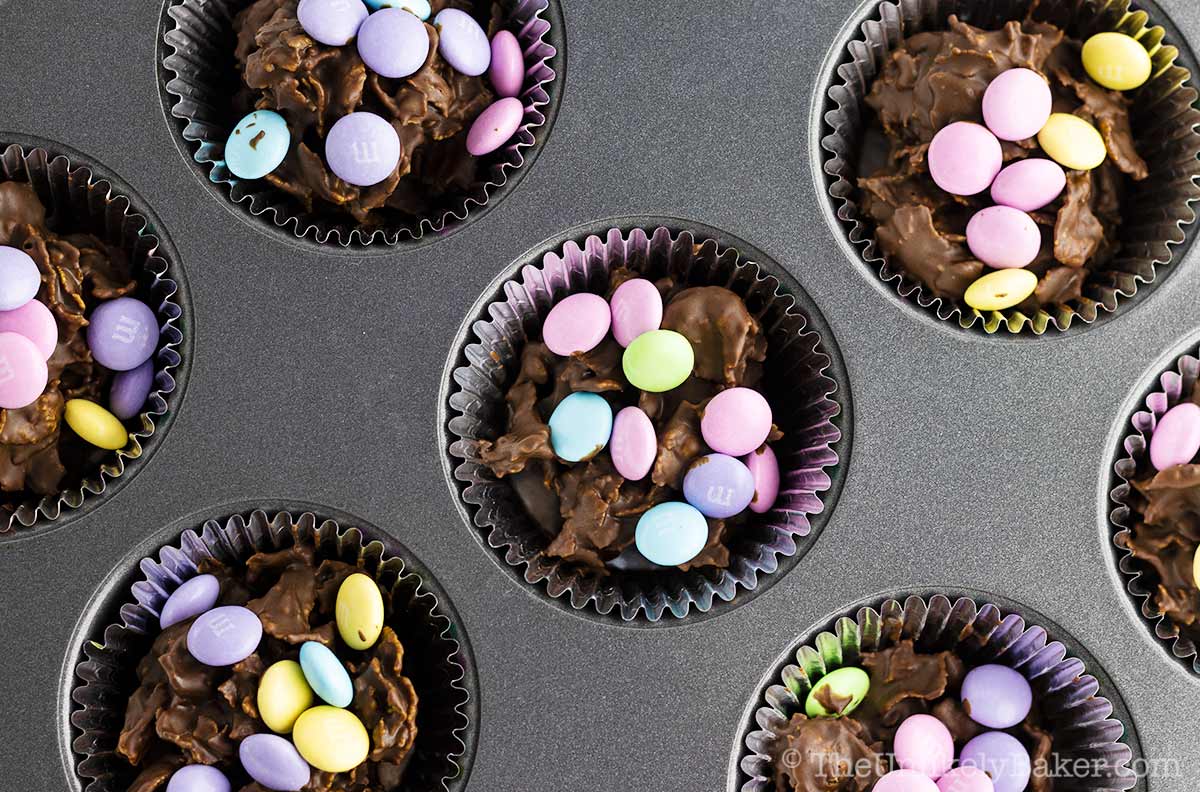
{"type": "Point", "coordinates": [359, 611]}
{"type": "Point", "coordinates": [1001, 289]}
{"type": "Point", "coordinates": [1072, 142]}
{"type": "Point", "coordinates": [331, 739]}
{"type": "Point", "coordinates": [1116, 61]}
{"type": "Point", "coordinates": [95, 424]}
{"type": "Point", "coordinates": [1196, 568]}
{"type": "Point", "coordinates": [283, 696]}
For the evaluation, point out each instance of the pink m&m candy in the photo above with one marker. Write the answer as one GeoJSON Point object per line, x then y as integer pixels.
{"type": "Point", "coordinates": [495, 126]}
{"type": "Point", "coordinates": [34, 321]}
{"type": "Point", "coordinates": [964, 158]}
{"type": "Point", "coordinates": [764, 467]}
{"type": "Point", "coordinates": [23, 373]}
{"type": "Point", "coordinates": [1176, 439]}
{"type": "Point", "coordinates": [1029, 184]}
{"type": "Point", "coordinates": [905, 781]}
{"type": "Point", "coordinates": [1003, 237]}
{"type": "Point", "coordinates": [633, 444]}
{"type": "Point", "coordinates": [923, 743]}
{"type": "Point", "coordinates": [507, 71]}
{"type": "Point", "coordinates": [736, 422]}
{"type": "Point", "coordinates": [577, 324]}
{"type": "Point", "coordinates": [966, 779]}
{"type": "Point", "coordinates": [1017, 104]}
{"type": "Point", "coordinates": [637, 308]}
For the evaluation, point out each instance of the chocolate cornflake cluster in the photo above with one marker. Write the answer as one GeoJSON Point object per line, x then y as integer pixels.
{"type": "Point", "coordinates": [313, 85]}
{"type": "Point", "coordinates": [185, 712]}
{"type": "Point", "coordinates": [936, 78]}
{"type": "Point", "coordinates": [587, 510]}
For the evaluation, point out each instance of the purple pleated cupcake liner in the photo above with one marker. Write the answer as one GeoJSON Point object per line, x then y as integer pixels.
{"type": "Point", "coordinates": [77, 201]}
{"type": "Point", "coordinates": [434, 659]}
{"type": "Point", "coordinates": [797, 384]}
{"type": "Point", "coordinates": [199, 69]}
{"type": "Point", "coordinates": [1140, 579]}
{"type": "Point", "coordinates": [1157, 210]}
{"type": "Point", "coordinates": [1079, 719]}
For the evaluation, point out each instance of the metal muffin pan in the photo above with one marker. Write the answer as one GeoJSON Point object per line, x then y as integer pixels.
{"type": "Point", "coordinates": [978, 463]}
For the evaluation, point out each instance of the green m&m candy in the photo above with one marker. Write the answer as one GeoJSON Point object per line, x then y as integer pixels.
{"type": "Point", "coordinates": [658, 361]}
{"type": "Point", "coordinates": [837, 693]}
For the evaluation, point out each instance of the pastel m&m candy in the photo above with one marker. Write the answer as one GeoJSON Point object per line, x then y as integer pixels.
{"type": "Point", "coordinates": [258, 145]}
{"type": "Point", "coordinates": [1072, 142]}
{"type": "Point", "coordinates": [1003, 237]}
{"type": "Point", "coordinates": [393, 43]}
{"type": "Point", "coordinates": [34, 321]}
{"type": "Point", "coordinates": [331, 22]}
{"type": "Point", "coordinates": [462, 42]}
{"type": "Point", "coordinates": [637, 308]}
{"type": "Point", "coordinates": [996, 696]}
{"type": "Point", "coordinates": [1029, 184]}
{"type": "Point", "coordinates": [580, 426]}
{"type": "Point", "coordinates": [1016, 104]}
{"type": "Point", "coordinates": [325, 674]}
{"type": "Point", "coordinates": [95, 424]}
{"type": "Point", "coordinates": [658, 361]}
{"type": "Point", "coordinates": [1196, 568]}
{"type": "Point", "coordinates": [964, 158]}
{"type": "Point", "coordinates": [736, 421]}
{"type": "Point", "coordinates": [837, 693]}
{"type": "Point", "coordinates": [283, 696]}
{"type": "Point", "coordinates": [274, 762]}
{"type": "Point", "coordinates": [1002, 757]}
{"type": "Point", "coordinates": [420, 8]}
{"type": "Point", "coordinates": [507, 70]}
{"type": "Point", "coordinates": [1000, 290]}
{"type": "Point", "coordinates": [764, 467]}
{"type": "Point", "coordinates": [362, 149]}
{"type": "Point", "coordinates": [719, 486]}
{"type": "Point", "coordinates": [331, 739]}
{"type": "Point", "coordinates": [19, 278]}
{"type": "Point", "coordinates": [130, 389]}
{"type": "Point", "coordinates": [905, 781]}
{"type": "Point", "coordinates": [1116, 61]}
{"type": "Point", "coordinates": [923, 743]}
{"type": "Point", "coordinates": [494, 126]}
{"type": "Point", "coordinates": [671, 534]}
{"type": "Point", "coordinates": [195, 596]}
{"type": "Point", "coordinates": [1176, 438]}
{"type": "Point", "coordinates": [198, 778]}
{"type": "Point", "coordinates": [634, 444]}
{"type": "Point", "coordinates": [23, 372]}
{"type": "Point", "coordinates": [359, 611]}
{"type": "Point", "coordinates": [122, 333]}
{"type": "Point", "coordinates": [224, 636]}
{"type": "Point", "coordinates": [965, 779]}
{"type": "Point", "coordinates": [577, 323]}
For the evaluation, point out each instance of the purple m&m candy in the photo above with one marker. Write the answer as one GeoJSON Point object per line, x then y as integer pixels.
{"type": "Point", "coordinates": [1003, 237]}
{"type": "Point", "coordinates": [23, 373]}
{"type": "Point", "coordinates": [274, 762]}
{"type": "Point", "coordinates": [198, 778]}
{"type": "Point", "coordinates": [130, 389]}
{"type": "Point", "coordinates": [1176, 439]}
{"type": "Point", "coordinates": [495, 126]}
{"type": "Point", "coordinates": [996, 696]}
{"type": "Point", "coordinates": [34, 321]}
{"type": "Point", "coordinates": [362, 148]}
{"type": "Point", "coordinates": [1017, 104]}
{"type": "Point", "coordinates": [637, 308]}
{"type": "Point", "coordinates": [764, 467]}
{"type": "Point", "coordinates": [923, 743]}
{"type": "Point", "coordinates": [195, 596]}
{"type": "Point", "coordinates": [965, 779]}
{"type": "Point", "coordinates": [736, 421]}
{"type": "Point", "coordinates": [462, 42]}
{"type": "Point", "coordinates": [905, 781]}
{"type": "Point", "coordinates": [964, 158]}
{"type": "Point", "coordinates": [719, 486]}
{"type": "Point", "coordinates": [19, 278]}
{"type": "Point", "coordinates": [1029, 184]}
{"type": "Point", "coordinates": [393, 43]}
{"type": "Point", "coordinates": [633, 444]}
{"type": "Point", "coordinates": [507, 71]}
{"type": "Point", "coordinates": [224, 636]}
{"type": "Point", "coordinates": [1002, 757]}
{"type": "Point", "coordinates": [122, 334]}
{"type": "Point", "coordinates": [578, 323]}
{"type": "Point", "coordinates": [332, 22]}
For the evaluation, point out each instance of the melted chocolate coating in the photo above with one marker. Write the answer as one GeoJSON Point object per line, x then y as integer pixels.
{"type": "Point", "coordinates": [589, 511]}
{"type": "Point", "coordinates": [313, 85]}
{"type": "Point", "coordinates": [937, 78]}
{"type": "Point", "coordinates": [78, 272]}
{"type": "Point", "coordinates": [184, 712]}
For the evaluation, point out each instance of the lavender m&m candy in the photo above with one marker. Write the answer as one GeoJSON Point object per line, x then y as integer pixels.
{"type": "Point", "coordinates": [274, 762]}
{"type": "Point", "coordinates": [198, 778]}
{"type": "Point", "coordinates": [495, 126]}
{"type": "Point", "coordinates": [1029, 184]}
{"type": "Point", "coordinates": [964, 158]}
{"type": "Point", "coordinates": [393, 43]}
{"type": "Point", "coordinates": [507, 71]}
{"type": "Point", "coordinates": [34, 321]}
{"type": "Point", "coordinates": [905, 781]}
{"type": "Point", "coordinates": [923, 743]}
{"type": "Point", "coordinates": [19, 278]}
{"type": "Point", "coordinates": [130, 389]}
{"type": "Point", "coordinates": [764, 467]}
{"type": "Point", "coordinates": [196, 596]}
{"type": "Point", "coordinates": [1003, 237]}
{"type": "Point", "coordinates": [1002, 757]}
{"type": "Point", "coordinates": [996, 696]}
{"type": "Point", "coordinates": [719, 486]}
{"type": "Point", "coordinates": [362, 149]}
{"type": "Point", "coordinates": [122, 333]}
{"type": "Point", "coordinates": [578, 323]}
{"type": "Point", "coordinates": [23, 372]}
{"type": "Point", "coordinates": [736, 421]}
{"type": "Point", "coordinates": [1176, 439]}
{"type": "Point", "coordinates": [224, 636]}
{"type": "Point", "coordinates": [965, 779]}
{"type": "Point", "coordinates": [332, 22]}
{"type": "Point", "coordinates": [462, 42]}
{"type": "Point", "coordinates": [637, 308]}
{"type": "Point", "coordinates": [633, 444]}
{"type": "Point", "coordinates": [1017, 104]}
